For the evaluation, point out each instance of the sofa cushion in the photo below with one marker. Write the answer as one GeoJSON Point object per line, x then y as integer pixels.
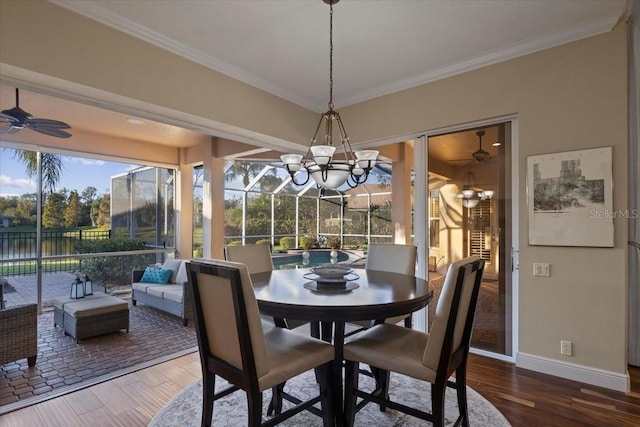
{"type": "Point", "coordinates": [142, 287]}
{"type": "Point", "coordinates": [160, 276]}
{"type": "Point", "coordinates": [159, 291]}
{"type": "Point", "coordinates": [175, 296]}
{"type": "Point", "coordinates": [172, 264]}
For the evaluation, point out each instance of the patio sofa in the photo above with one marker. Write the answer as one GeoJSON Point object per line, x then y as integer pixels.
{"type": "Point", "coordinates": [19, 332]}
{"type": "Point", "coordinates": [173, 297]}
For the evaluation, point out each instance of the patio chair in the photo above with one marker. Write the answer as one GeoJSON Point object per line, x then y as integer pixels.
{"type": "Point", "coordinates": [19, 333]}
{"type": "Point", "coordinates": [393, 258]}
{"type": "Point", "coordinates": [234, 345]}
{"type": "Point", "coordinates": [432, 357]}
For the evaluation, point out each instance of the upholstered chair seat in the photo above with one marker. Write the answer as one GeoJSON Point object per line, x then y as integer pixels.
{"type": "Point", "coordinates": [236, 344]}
{"type": "Point", "coordinates": [432, 357]}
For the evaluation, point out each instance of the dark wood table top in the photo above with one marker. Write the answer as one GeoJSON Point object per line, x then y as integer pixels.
{"type": "Point", "coordinates": [379, 295]}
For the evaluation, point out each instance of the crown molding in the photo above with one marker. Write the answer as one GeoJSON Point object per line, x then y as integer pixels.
{"type": "Point", "coordinates": [577, 32]}
{"type": "Point", "coordinates": [93, 11]}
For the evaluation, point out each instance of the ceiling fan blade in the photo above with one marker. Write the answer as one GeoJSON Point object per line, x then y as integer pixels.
{"type": "Point", "coordinates": [5, 130]}
{"type": "Point", "coordinates": [52, 132]}
{"type": "Point", "coordinates": [46, 123]}
{"type": "Point", "coordinates": [8, 117]}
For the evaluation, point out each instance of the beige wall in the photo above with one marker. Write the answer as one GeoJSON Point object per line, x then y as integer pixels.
{"type": "Point", "coordinates": [566, 98]}
{"type": "Point", "coordinates": [46, 44]}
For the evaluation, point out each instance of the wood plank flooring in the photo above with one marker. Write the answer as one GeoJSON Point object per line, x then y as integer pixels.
{"type": "Point", "coordinates": [526, 398]}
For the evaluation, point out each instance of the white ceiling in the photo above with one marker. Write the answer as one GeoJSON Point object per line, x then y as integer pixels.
{"type": "Point", "coordinates": [282, 46]}
{"type": "Point", "coordinates": [380, 46]}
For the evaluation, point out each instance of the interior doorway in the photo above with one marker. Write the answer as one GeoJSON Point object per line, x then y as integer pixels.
{"type": "Point", "coordinates": [469, 214]}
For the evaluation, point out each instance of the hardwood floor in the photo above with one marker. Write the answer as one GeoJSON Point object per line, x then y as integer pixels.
{"type": "Point", "coordinates": [526, 398]}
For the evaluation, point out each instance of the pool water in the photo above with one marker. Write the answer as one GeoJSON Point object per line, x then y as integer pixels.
{"type": "Point", "coordinates": [316, 258]}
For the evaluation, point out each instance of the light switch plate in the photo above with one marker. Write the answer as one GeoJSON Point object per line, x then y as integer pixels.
{"type": "Point", "coordinates": [541, 269]}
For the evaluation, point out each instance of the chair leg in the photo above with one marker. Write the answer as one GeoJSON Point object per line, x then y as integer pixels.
{"type": "Point", "coordinates": [275, 405]}
{"type": "Point", "coordinates": [408, 322]}
{"type": "Point", "coordinates": [437, 403]}
{"type": "Point", "coordinates": [208, 389]}
{"type": "Point", "coordinates": [352, 373]}
{"type": "Point", "coordinates": [254, 409]}
{"type": "Point", "coordinates": [461, 391]}
{"type": "Point", "coordinates": [382, 378]}
{"type": "Point", "coordinates": [31, 361]}
{"type": "Point", "coordinates": [325, 381]}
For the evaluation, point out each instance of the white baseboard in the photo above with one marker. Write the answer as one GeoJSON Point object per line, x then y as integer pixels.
{"type": "Point", "coordinates": [594, 376]}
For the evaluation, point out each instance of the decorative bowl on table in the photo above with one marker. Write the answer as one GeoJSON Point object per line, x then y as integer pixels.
{"type": "Point", "coordinates": [332, 272]}
{"type": "Point", "coordinates": [331, 278]}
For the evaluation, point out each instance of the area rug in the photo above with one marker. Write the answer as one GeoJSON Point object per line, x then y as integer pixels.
{"type": "Point", "coordinates": [185, 409]}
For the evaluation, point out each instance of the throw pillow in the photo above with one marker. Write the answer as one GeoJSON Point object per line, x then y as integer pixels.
{"type": "Point", "coordinates": [156, 275]}
{"type": "Point", "coordinates": [173, 265]}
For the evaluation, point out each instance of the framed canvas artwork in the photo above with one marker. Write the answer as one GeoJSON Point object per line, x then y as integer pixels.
{"type": "Point", "coordinates": [570, 198]}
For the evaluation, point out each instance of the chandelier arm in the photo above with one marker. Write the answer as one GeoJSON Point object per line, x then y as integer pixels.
{"type": "Point", "coordinates": [345, 140]}
{"type": "Point", "coordinates": [315, 134]}
{"type": "Point", "coordinates": [293, 179]}
{"type": "Point", "coordinates": [328, 129]}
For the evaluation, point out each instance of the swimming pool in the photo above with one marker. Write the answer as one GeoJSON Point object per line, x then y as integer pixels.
{"type": "Point", "coordinates": [316, 258]}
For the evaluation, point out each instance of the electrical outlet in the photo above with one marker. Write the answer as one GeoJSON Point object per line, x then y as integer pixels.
{"type": "Point", "coordinates": [541, 269]}
{"type": "Point", "coordinates": [566, 348]}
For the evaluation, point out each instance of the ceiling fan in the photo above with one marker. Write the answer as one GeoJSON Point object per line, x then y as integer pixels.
{"type": "Point", "coordinates": [16, 118]}
{"type": "Point", "coordinates": [478, 156]}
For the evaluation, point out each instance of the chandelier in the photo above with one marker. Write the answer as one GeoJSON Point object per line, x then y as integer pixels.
{"type": "Point", "coordinates": [471, 194]}
{"type": "Point", "coordinates": [319, 161]}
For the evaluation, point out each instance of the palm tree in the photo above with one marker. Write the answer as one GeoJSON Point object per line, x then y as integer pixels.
{"type": "Point", "coordinates": [243, 170]}
{"type": "Point", "coordinates": [51, 167]}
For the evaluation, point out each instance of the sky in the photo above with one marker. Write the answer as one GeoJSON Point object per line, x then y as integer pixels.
{"type": "Point", "coordinates": [78, 173]}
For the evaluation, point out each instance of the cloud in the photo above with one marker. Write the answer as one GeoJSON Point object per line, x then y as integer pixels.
{"type": "Point", "coordinates": [20, 183]}
{"type": "Point", "coordinates": [85, 162]}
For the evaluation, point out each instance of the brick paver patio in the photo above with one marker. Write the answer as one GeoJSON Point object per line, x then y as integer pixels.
{"type": "Point", "coordinates": [64, 365]}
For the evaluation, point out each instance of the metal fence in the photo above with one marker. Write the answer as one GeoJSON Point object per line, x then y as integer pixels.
{"type": "Point", "coordinates": [19, 250]}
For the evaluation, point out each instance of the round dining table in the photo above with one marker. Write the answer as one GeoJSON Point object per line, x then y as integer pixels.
{"type": "Point", "coordinates": [365, 295]}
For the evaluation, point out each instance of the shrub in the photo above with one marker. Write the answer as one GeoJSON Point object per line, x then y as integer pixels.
{"type": "Point", "coordinates": [235, 243]}
{"type": "Point", "coordinates": [333, 242]}
{"type": "Point", "coordinates": [263, 242]}
{"type": "Point", "coordinates": [112, 270]}
{"type": "Point", "coordinates": [308, 242]}
{"type": "Point", "coordinates": [287, 242]}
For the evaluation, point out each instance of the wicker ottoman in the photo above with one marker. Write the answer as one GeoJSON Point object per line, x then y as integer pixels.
{"type": "Point", "coordinates": [92, 315]}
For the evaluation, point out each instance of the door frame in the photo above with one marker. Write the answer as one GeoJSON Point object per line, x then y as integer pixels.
{"type": "Point", "coordinates": [421, 228]}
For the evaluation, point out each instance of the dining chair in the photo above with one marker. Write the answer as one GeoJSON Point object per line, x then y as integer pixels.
{"type": "Point", "coordinates": [393, 258]}
{"type": "Point", "coordinates": [432, 357]}
{"type": "Point", "coordinates": [233, 345]}
{"type": "Point", "coordinates": [258, 259]}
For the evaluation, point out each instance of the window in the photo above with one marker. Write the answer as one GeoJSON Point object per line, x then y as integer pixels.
{"type": "Point", "coordinates": [434, 219]}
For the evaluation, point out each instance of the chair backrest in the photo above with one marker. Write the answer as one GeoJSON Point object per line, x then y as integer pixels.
{"type": "Point", "coordinates": [257, 258]}
{"type": "Point", "coordinates": [392, 258]}
{"type": "Point", "coordinates": [228, 322]}
{"type": "Point", "coordinates": [451, 329]}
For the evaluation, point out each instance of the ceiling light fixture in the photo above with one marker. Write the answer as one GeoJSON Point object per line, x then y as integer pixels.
{"type": "Point", "coordinates": [480, 155]}
{"type": "Point", "coordinates": [319, 162]}
{"type": "Point", "coordinates": [471, 194]}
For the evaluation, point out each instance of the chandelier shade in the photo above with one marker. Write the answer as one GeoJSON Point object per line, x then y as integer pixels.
{"type": "Point", "coordinates": [471, 195]}
{"type": "Point", "coordinates": [319, 161]}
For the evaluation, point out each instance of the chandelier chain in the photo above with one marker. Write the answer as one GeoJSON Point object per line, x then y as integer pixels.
{"type": "Point", "coordinates": [331, 56]}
